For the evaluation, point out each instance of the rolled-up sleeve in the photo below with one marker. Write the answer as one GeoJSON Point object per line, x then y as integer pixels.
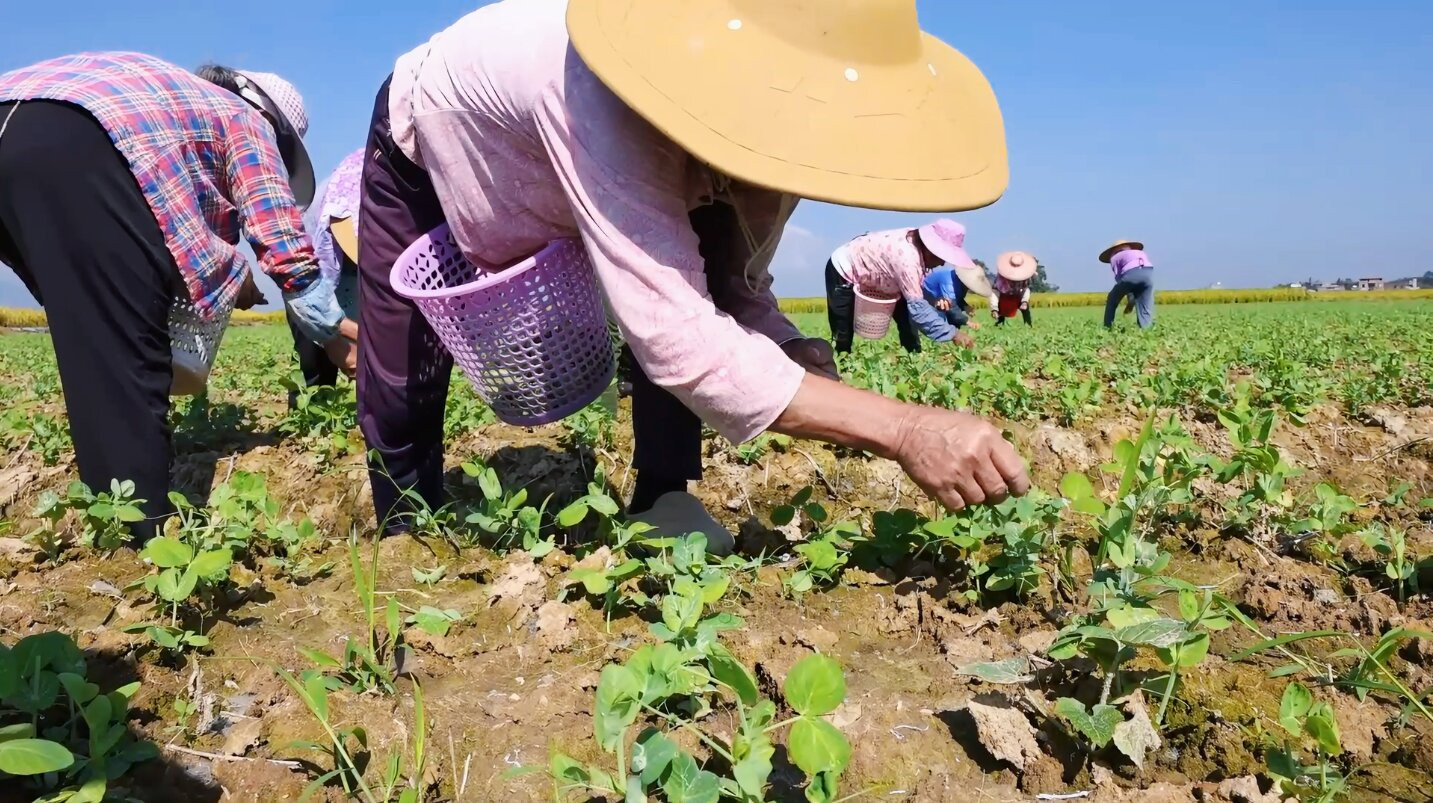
{"type": "Point", "coordinates": [625, 183]}
{"type": "Point", "coordinates": [266, 205]}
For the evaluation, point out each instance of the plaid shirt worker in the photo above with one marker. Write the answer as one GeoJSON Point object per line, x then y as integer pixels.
{"type": "Point", "coordinates": [205, 160]}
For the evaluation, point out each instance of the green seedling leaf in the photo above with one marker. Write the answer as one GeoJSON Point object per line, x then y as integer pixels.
{"type": "Point", "coordinates": [619, 693]}
{"type": "Point", "coordinates": [1080, 491]}
{"type": "Point", "coordinates": [1014, 670]}
{"type": "Point", "coordinates": [1096, 725]}
{"type": "Point", "coordinates": [688, 783]}
{"type": "Point", "coordinates": [211, 564]}
{"type": "Point", "coordinates": [1294, 706]}
{"type": "Point", "coordinates": [1323, 727]}
{"type": "Point", "coordinates": [21, 730]}
{"type": "Point", "coordinates": [1154, 633]}
{"type": "Point", "coordinates": [167, 552]}
{"type": "Point", "coordinates": [33, 757]}
{"type": "Point", "coordinates": [816, 746]}
{"type": "Point", "coordinates": [731, 673]}
{"type": "Point", "coordinates": [815, 686]}
{"type": "Point", "coordinates": [652, 754]}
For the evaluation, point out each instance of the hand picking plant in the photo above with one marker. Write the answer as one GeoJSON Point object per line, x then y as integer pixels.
{"type": "Point", "coordinates": [60, 737]}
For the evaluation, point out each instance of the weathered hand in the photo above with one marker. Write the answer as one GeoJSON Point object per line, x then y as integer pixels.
{"type": "Point", "coordinates": [813, 354]}
{"type": "Point", "coordinates": [250, 295]}
{"type": "Point", "coordinates": [958, 459]}
{"type": "Point", "coordinates": [943, 304]}
{"type": "Point", "coordinates": [965, 340]}
{"type": "Point", "coordinates": [343, 353]}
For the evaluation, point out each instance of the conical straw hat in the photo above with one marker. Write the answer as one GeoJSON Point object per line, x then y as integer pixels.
{"type": "Point", "coordinates": [1109, 253]}
{"type": "Point", "coordinates": [843, 102]}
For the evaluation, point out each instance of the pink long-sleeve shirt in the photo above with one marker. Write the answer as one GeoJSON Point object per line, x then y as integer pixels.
{"type": "Point", "coordinates": [883, 263]}
{"type": "Point", "coordinates": [525, 145]}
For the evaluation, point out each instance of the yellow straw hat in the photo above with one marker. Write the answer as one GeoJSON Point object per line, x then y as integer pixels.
{"type": "Point", "coordinates": [843, 102]}
{"type": "Point", "coordinates": [1109, 253]}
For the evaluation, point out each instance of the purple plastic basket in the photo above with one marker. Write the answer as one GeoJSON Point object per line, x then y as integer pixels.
{"type": "Point", "coordinates": [532, 338]}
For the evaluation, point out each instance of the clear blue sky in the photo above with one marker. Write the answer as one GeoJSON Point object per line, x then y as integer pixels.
{"type": "Point", "coordinates": [1247, 142]}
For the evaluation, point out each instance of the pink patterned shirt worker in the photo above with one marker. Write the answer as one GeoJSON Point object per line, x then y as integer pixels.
{"type": "Point", "coordinates": [677, 166]}
{"type": "Point", "coordinates": [894, 264]}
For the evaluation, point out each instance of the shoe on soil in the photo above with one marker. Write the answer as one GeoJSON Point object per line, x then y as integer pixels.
{"type": "Point", "coordinates": [679, 513]}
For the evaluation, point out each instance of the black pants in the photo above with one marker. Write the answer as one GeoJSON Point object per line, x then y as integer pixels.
{"type": "Point", "coordinates": [1024, 313]}
{"type": "Point", "coordinates": [317, 368]}
{"type": "Point", "coordinates": [77, 230]}
{"type": "Point", "coordinates": [841, 314]}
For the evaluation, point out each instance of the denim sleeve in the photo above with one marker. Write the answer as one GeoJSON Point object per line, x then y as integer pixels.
{"type": "Point", "coordinates": [930, 322]}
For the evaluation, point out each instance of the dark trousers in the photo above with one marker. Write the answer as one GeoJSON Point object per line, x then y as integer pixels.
{"type": "Point", "coordinates": [841, 314]}
{"type": "Point", "coordinates": [78, 231]}
{"type": "Point", "coordinates": [1024, 313]}
{"type": "Point", "coordinates": [317, 368]}
{"type": "Point", "coordinates": [1138, 285]}
{"type": "Point", "coordinates": [404, 369]}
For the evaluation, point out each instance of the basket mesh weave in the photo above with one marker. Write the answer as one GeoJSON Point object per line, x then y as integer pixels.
{"type": "Point", "coordinates": [531, 338]}
{"type": "Point", "coordinates": [193, 342]}
{"type": "Point", "coordinates": [873, 315]}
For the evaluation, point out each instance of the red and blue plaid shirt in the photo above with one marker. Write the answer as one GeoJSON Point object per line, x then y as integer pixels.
{"type": "Point", "coordinates": [206, 161]}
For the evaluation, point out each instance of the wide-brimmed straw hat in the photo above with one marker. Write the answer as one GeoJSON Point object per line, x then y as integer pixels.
{"type": "Point", "coordinates": [286, 106]}
{"type": "Point", "coordinates": [975, 280]}
{"type": "Point", "coordinates": [1017, 266]}
{"type": "Point", "coordinates": [1109, 253]}
{"type": "Point", "coordinates": [842, 102]}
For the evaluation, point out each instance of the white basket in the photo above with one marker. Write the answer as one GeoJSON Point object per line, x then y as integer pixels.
{"type": "Point", "coordinates": [193, 342]}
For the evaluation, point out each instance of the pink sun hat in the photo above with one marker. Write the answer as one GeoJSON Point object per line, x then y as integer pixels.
{"type": "Point", "coordinates": [282, 101]}
{"type": "Point", "coordinates": [946, 239]}
{"type": "Point", "coordinates": [1016, 266]}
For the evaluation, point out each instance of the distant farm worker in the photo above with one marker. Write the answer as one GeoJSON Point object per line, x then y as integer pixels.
{"type": "Point", "coordinates": [333, 226]}
{"type": "Point", "coordinates": [893, 264]}
{"type": "Point", "coordinates": [1134, 280]}
{"type": "Point", "coordinates": [124, 185]}
{"type": "Point", "coordinates": [1013, 272]}
{"type": "Point", "coordinates": [655, 131]}
{"type": "Point", "coordinates": [948, 289]}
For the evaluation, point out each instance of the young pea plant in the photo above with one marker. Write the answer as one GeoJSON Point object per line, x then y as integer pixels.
{"type": "Point", "coordinates": [506, 518]}
{"type": "Point", "coordinates": [104, 517]}
{"type": "Point", "coordinates": [1399, 567]}
{"type": "Point", "coordinates": [645, 685]}
{"type": "Point", "coordinates": [72, 739]}
{"type": "Point", "coordinates": [184, 588]}
{"type": "Point", "coordinates": [825, 553]}
{"type": "Point", "coordinates": [1307, 722]}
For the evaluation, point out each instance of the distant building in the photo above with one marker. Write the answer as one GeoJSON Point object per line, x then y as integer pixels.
{"type": "Point", "coordinates": [1408, 284]}
{"type": "Point", "coordinates": [1328, 287]}
{"type": "Point", "coordinates": [1370, 283]}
